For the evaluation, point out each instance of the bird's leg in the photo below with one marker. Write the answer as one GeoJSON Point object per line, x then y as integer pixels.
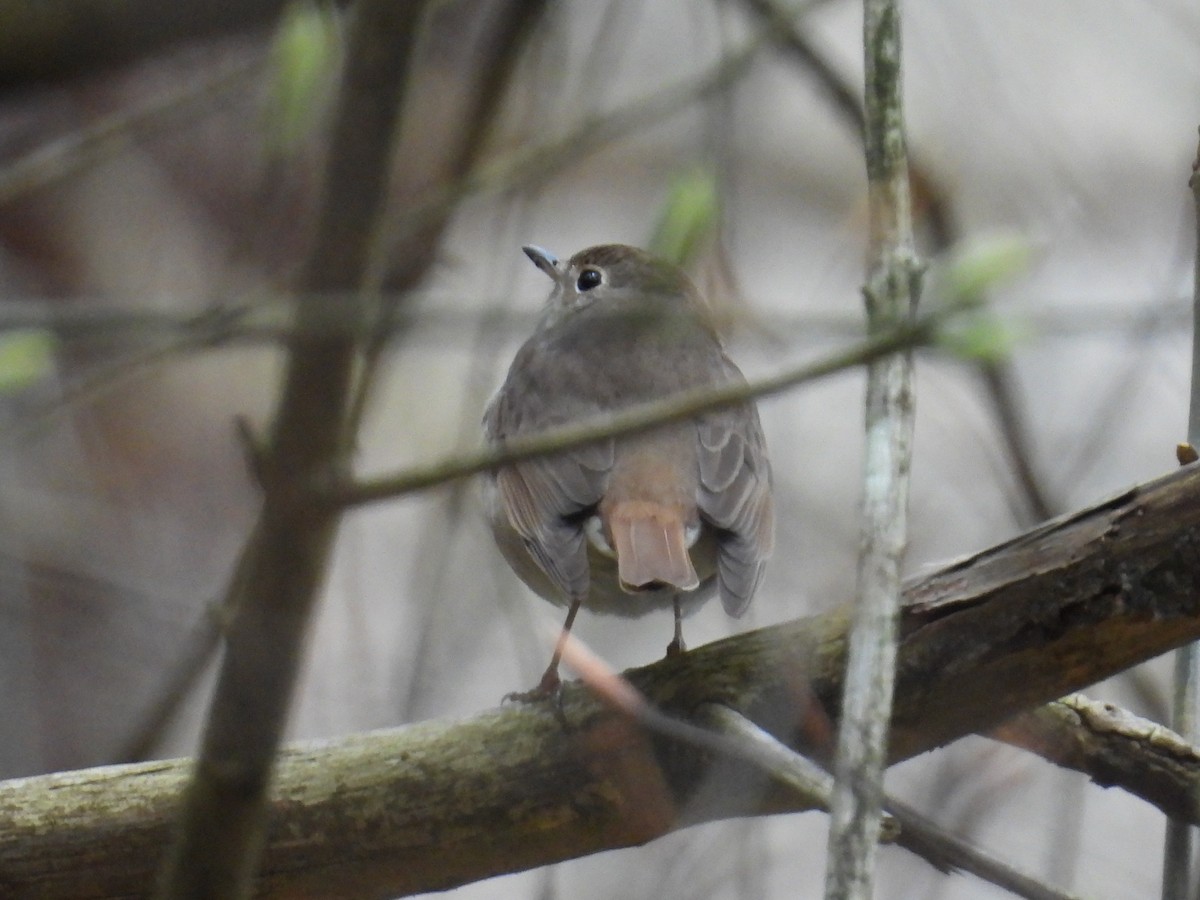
{"type": "Point", "coordinates": [677, 646]}
{"type": "Point", "coordinates": [550, 684]}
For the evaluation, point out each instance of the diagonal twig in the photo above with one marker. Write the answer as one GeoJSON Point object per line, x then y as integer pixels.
{"type": "Point", "coordinates": [903, 336]}
{"type": "Point", "coordinates": [60, 158]}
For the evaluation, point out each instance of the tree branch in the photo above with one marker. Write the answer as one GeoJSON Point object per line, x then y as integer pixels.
{"type": "Point", "coordinates": [1114, 748]}
{"type": "Point", "coordinates": [891, 292]}
{"type": "Point", "coordinates": [639, 418]}
{"type": "Point", "coordinates": [111, 134]}
{"type": "Point", "coordinates": [438, 804]}
{"type": "Point", "coordinates": [215, 850]}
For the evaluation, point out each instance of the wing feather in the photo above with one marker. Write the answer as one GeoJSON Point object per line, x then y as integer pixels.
{"type": "Point", "coordinates": [543, 498]}
{"type": "Point", "coordinates": [735, 497]}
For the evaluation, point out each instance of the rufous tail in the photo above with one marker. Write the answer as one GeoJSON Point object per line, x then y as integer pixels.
{"type": "Point", "coordinates": [650, 540]}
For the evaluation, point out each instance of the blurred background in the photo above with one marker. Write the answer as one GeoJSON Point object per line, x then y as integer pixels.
{"type": "Point", "coordinates": [154, 210]}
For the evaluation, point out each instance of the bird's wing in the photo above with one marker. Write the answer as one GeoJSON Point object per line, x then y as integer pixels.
{"type": "Point", "coordinates": [543, 498]}
{"type": "Point", "coordinates": [735, 497]}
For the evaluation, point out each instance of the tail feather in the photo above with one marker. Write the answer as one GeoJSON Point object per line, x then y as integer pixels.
{"type": "Point", "coordinates": [651, 544]}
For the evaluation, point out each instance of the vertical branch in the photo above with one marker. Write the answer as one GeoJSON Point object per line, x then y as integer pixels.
{"type": "Point", "coordinates": [937, 215]}
{"type": "Point", "coordinates": [1179, 852]}
{"type": "Point", "coordinates": [312, 440]}
{"type": "Point", "coordinates": [1194, 405]}
{"type": "Point", "coordinates": [216, 850]}
{"type": "Point", "coordinates": [891, 291]}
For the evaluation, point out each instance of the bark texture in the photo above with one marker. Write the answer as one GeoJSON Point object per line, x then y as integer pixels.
{"type": "Point", "coordinates": [437, 804]}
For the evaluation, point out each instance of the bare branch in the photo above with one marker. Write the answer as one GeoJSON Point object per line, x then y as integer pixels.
{"type": "Point", "coordinates": [215, 852]}
{"type": "Point", "coordinates": [891, 292]}
{"type": "Point", "coordinates": [639, 418]}
{"type": "Point", "coordinates": [1115, 749]}
{"type": "Point", "coordinates": [268, 320]}
{"type": "Point", "coordinates": [415, 809]}
{"type": "Point", "coordinates": [901, 824]}
{"type": "Point", "coordinates": [535, 164]}
{"type": "Point", "coordinates": [111, 134]}
{"type": "Point", "coordinates": [949, 852]}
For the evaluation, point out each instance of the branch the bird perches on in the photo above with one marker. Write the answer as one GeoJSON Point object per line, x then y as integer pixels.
{"type": "Point", "coordinates": [432, 805]}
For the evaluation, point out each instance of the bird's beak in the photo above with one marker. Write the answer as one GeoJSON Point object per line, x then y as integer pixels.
{"type": "Point", "coordinates": [543, 259]}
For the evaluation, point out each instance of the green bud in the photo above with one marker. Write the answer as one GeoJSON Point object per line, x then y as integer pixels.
{"type": "Point", "coordinates": [688, 217]}
{"type": "Point", "coordinates": [978, 265]}
{"type": "Point", "coordinates": [25, 356]}
{"type": "Point", "coordinates": [304, 56]}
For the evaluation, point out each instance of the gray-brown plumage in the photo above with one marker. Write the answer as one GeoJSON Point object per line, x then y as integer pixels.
{"type": "Point", "coordinates": [661, 519]}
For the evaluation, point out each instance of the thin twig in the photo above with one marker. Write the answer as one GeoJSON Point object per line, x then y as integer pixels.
{"type": "Point", "coordinates": [842, 96]}
{"type": "Point", "coordinates": [725, 731]}
{"type": "Point", "coordinates": [269, 320]}
{"type": "Point", "coordinates": [911, 829]}
{"type": "Point", "coordinates": [524, 167]}
{"type": "Point", "coordinates": [904, 336]}
{"type": "Point", "coordinates": [998, 382]}
{"type": "Point", "coordinates": [534, 165]}
{"type": "Point", "coordinates": [932, 842]}
{"type": "Point", "coordinates": [891, 292]}
{"type": "Point", "coordinates": [60, 158]}
{"type": "Point", "coordinates": [810, 784]}
{"type": "Point", "coordinates": [717, 729]}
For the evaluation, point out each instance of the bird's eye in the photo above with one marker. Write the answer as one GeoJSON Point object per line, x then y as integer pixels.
{"type": "Point", "coordinates": [588, 279]}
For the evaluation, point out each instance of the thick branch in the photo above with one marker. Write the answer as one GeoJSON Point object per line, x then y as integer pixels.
{"type": "Point", "coordinates": [442, 803]}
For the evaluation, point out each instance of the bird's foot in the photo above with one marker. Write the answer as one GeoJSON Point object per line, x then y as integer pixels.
{"type": "Point", "coordinates": [676, 647]}
{"type": "Point", "coordinates": [549, 688]}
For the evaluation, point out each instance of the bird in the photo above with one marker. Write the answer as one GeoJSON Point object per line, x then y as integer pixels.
{"type": "Point", "coordinates": [663, 518]}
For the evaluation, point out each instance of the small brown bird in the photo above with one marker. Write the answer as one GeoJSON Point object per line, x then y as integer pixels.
{"type": "Point", "coordinates": [663, 518]}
